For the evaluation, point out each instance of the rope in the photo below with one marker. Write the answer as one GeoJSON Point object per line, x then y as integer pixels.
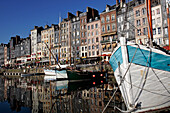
{"type": "Point", "coordinates": [120, 81]}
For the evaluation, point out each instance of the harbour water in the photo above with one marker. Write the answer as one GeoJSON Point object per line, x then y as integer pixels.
{"type": "Point", "coordinates": [35, 95]}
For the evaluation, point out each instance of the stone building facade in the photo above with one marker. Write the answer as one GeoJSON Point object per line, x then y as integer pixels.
{"type": "Point", "coordinates": [125, 21]}
{"type": "Point", "coordinates": [35, 42]}
{"type": "Point", "coordinates": [108, 30]}
{"type": "Point", "coordinates": [93, 38]}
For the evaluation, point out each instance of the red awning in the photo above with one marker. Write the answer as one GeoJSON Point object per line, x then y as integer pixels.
{"type": "Point", "coordinates": [105, 55]}
{"type": "Point", "coordinates": [28, 59]}
{"type": "Point", "coordinates": [28, 55]}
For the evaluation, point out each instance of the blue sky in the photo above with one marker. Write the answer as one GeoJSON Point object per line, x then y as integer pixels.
{"type": "Point", "coordinates": [18, 17]}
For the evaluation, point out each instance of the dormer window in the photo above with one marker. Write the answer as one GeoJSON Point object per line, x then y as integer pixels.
{"type": "Point", "coordinates": [107, 9]}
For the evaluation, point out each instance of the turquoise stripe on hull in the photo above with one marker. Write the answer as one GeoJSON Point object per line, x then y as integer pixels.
{"type": "Point", "coordinates": [115, 58]}
{"type": "Point", "coordinates": [157, 61]}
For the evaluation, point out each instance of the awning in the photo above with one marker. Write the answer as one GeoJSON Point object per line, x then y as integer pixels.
{"type": "Point", "coordinates": [166, 47]}
{"type": "Point", "coordinates": [105, 55]}
{"type": "Point", "coordinates": [106, 34]}
{"type": "Point", "coordinates": [108, 45]}
{"type": "Point", "coordinates": [114, 44]}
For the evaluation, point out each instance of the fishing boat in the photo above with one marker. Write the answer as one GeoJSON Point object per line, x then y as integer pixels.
{"type": "Point", "coordinates": [77, 75]}
{"type": "Point", "coordinates": [143, 75]}
{"type": "Point", "coordinates": [59, 71]}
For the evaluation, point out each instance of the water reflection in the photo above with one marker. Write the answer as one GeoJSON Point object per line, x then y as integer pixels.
{"type": "Point", "coordinates": [33, 94]}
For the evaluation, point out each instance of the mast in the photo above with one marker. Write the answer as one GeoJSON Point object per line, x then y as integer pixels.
{"type": "Point", "coordinates": [168, 20]}
{"type": "Point", "coordinates": [149, 17]}
{"type": "Point", "coordinates": [70, 48]}
{"type": "Point", "coordinates": [50, 52]}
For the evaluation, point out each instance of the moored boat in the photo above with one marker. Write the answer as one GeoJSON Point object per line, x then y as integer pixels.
{"type": "Point", "coordinates": [58, 73]}
{"type": "Point", "coordinates": [85, 75]}
{"type": "Point", "coordinates": [143, 76]}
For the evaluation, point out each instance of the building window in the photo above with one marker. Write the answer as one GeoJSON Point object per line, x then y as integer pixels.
{"type": "Point", "coordinates": [82, 34]}
{"type": "Point", "coordinates": [108, 19]}
{"type": "Point", "coordinates": [85, 33]}
{"type": "Point", "coordinates": [93, 47]}
{"type": "Point", "coordinates": [166, 30]}
{"type": "Point", "coordinates": [82, 27]}
{"type": "Point", "coordinates": [88, 34]}
{"type": "Point", "coordinates": [102, 20]}
{"type": "Point", "coordinates": [113, 17]}
{"type": "Point", "coordinates": [92, 33]}
{"type": "Point", "coordinates": [92, 27]}
{"type": "Point", "coordinates": [97, 39]}
{"type": "Point", "coordinates": [89, 53]}
{"type": "Point", "coordinates": [93, 52]}
{"type": "Point", "coordinates": [85, 20]}
{"type": "Point", "coordinates": [108, 27]}
{"type": "Point", "coordinates": [144, 31]}
{"type": "Point", "coordinates": [82, 54]}
{"type": "Point", "coordinates": [97, 46]}
{"type": "Point", "coordinates": [137, 13]}
{"type": "Point", "coordinates": [159, 30]}
{"type": "Point", "coordinates": [96, 25]}
{"type": "Point", "coordinates": [153, 21]}
{"type": "Point", "coordinates": [138, 22]}
{"type": "Point", "coordinates": [89, 47]}
{"type": "Point", "coordinates": [139, 32]}
{"type": "Point", "coordinates": [154, 31]}
{"type": "Point", "coordinates": [92, 40]}
{"type": "Point", "coordinates": [103, 28]}
{"type": "Point", "coordinates": [144, 21]}
{"type": "Point", "coordinates": [158, 20]}
{"type": "Point", "coordinates": [89, 41]}
{"type": "Point", "coordinates": [113, 27]}
{"type": "Point", "coordinates": [88, 27]}
{"type": "Point", "coordinates": [153, 12]}
{"type": "Point", "coordinates": [96, 32]}
{"type": "Point", "coordinates": [158, 11]}
{"type": "Point", "coordinates": [78, 33]}
{"type": "Point", "coordinates": [143, 11]}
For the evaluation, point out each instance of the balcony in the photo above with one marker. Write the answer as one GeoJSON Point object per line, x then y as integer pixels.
{"type": "Point", "coordinates": [107, 41]}
{"type": "Point", "coordinates": [104, 41]}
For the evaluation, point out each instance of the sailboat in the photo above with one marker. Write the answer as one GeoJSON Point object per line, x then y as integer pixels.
{"type": "Point", "coordinates": [142, 74]}
{"type": "Point", "coordinates": [59, 71]}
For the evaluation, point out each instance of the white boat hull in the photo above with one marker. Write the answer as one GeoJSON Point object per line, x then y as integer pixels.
{"type": "Point", "coordinates": [143, 76]}
{"type": "Point", "coordinates": [57, 73]}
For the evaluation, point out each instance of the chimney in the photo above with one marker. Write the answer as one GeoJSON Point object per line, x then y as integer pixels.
{"type": "Point", "coordinates": [46, 26]}
{"type": "Point", "coordinates": [68, 15]}
{"type": "Point", "coordinates": [117, 2]}
{"type": "Point", "coordinates": [122, 2]}
{"type": "Point", "coordinates": [107, 5]}
{"type": "Point", "coordinates": [35, 27]}
{"type": "Point", "coordinates": [78, 13]}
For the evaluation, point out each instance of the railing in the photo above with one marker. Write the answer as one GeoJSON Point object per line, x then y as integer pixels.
{"type": "Point", "coordinates": [106, 41]}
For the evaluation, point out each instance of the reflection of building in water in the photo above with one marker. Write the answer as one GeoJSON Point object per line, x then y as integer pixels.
{"type": "Point", "coordinates": [93, 99]}
{"type": "Point", "coordinates": [16, 95]}
{"type": "Point", "coordinates": [2, 90]}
